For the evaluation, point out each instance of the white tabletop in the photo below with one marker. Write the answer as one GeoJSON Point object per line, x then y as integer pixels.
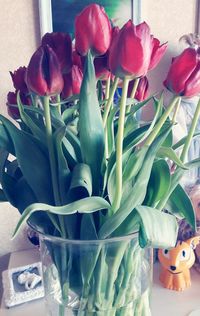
{"type": "Point", "coordinates": [164, 302]}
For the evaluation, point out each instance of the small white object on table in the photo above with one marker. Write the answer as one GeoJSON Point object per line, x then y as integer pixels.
{"type": "Point", "coordinates": [164, 302]}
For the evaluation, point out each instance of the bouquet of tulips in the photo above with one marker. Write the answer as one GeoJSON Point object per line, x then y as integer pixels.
{"type": "Point", "coordinates": [86, 166]}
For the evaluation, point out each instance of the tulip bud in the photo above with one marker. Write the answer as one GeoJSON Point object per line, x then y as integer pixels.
{"type": "Point", "coordinates": [18, 79]}
{"type": "Point", "coordinates": [101, 67]}
{"type": "Point", "coordinates": [130, 51]}
{"type": "Point", "coordinates": [142, 89]}
{"type": "Point", "coordinates": [12, 100]}
{"type": "Point", "coordinates": [43, 75]}
{"type": "Point", "coordinates": [72, 82]}
{"type": "Point", "coordinates": [92, 31]}
{"type": "Point", "coordinates": [184, 74]}
{"type": "Point", "coordinates": [157, 53]}
{"type": "Point", "coordinates": [62, 45]}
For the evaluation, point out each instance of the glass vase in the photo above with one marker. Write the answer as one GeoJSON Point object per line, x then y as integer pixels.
{"type": "Point", "coordinates": [109, 277]}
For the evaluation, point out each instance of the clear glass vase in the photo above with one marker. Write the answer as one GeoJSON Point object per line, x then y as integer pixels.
{"type": "Point", "coordinates": [109, 277]}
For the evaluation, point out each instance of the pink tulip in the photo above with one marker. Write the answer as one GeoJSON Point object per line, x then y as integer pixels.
{"type": "Point", "coordinates": [72, 82]}
{"type": "Point", "coordinates": [142, 89]}
{"type": "Point", "coordinates": [184, 74]}
{"type": "Point", "coordinates": [157, 53]}
{"type": "Point", "coordinates": [43, 75]}
{"type": "Point", "coordinates": [92, 31]}
{"type": "Point", "coordinates": [62, 45]}
{"type": "Point", "coordinates": [130, 51]}
{"type": "Point", "coordinates": [18, 79]}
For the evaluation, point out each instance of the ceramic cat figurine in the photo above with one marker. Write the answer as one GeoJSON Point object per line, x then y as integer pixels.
{"type": "Point", "coordinates": [176, 262]}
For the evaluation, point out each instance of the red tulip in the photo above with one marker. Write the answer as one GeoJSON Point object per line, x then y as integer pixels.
{"type": "Point", "coordinates": [130, 51]}
{"type": "Point", "coordinates": [142, 89]}
{"type": "Point", "coordinates": [77, 59]}
{"type": "Point", "coordinates": [62, 45]}
{"type": "Point", "coordinates": [43, 75]}
{"type": "Point", "coordinates": [72, 82]}
{"type": "Point", "coordinates": [18, 79]}
{"type": "Point", "coordinates": [184, 74]}
{"type": "Point", "coordinates": [12, 100]}
{"type": "Point", "coordinates": [92, 31]}
{"type": "Point", "coordinates": [157, 53]}
{"type": "Point", "coordinates": [101, 67]}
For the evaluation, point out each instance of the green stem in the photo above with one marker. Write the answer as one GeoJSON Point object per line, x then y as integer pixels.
{"type": "Point", "coordinates": [58, 103]}
{"type": "Point", "coordinates": [107, 89]}
{"type": "Point", "coordinates": [176, 111]}
{"type": "Point", "coordinates": [162, 120]}
{"type": "Point", "coordinates": [119, 147]}
{"type": "Point", "coordinates": [50, 145]}
{"type": "Point", "coordinates": [106, 131]}
{"type": "Point", "coordinates": [133, 92]}
{"type": "Point", "coordinates": [191, 133]}
{"type": "Point", "coordinates": [110, 100]}
{"type": "Point", "coordinates": [52, 160]}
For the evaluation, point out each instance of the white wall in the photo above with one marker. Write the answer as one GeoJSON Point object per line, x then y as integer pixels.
{"type": "Point", "coordinates": [19, 34]}
{"type": "Point", "coordinates": [169, 19]}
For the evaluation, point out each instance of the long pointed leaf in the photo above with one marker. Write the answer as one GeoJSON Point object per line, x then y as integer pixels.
{"type": "Point", "coordinates": [138, 192]}
{"type": "Point", "coordinates": [91, 125]}
{"type": "Point", "coordinates": [87, 205]}
{"type": "Point", "coordinates": [29, 156]}
{"type": "Point", "coordinates": [157, 229]}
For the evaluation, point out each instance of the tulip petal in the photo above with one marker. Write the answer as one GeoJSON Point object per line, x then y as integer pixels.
{"type": "Point", "coordinates": [157, 53]}
{"type": "Point", "coordinates": [180, 71]}
{"type": "Point", "coordinates": [34, 76]}
{"type": "Point", "coordinates": [55, 80]}
{"type": "Point", "coordinates": [129, 55]}
{"type": "Point", "coordinates": [92, 31]}
{"type": "Point", "coordinates": [62, 45]}
{"type": "Point", "coordinates": [193, 83]}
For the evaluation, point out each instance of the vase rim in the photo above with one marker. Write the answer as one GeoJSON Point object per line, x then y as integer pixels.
{"type": "Point", "coordinates": [81, 241]}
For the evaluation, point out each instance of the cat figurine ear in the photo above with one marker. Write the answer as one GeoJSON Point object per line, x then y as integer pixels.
{"type": "Point", "coordinates": [175, 264]}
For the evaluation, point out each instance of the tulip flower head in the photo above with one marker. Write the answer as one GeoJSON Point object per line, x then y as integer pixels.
{"type": "Point", "coordinates": [72, 82]}
{"type": "Point", "coordinates": [62, 45]}
{"type": "Point", "coordinates": [142, 89]}
{"type": "Point", "coordinates": [130, 51]}
{"type": "Point", "coordinates": [184, 74]}
{"type": "Point", "coordinates": [157, 53]}
{"type": "Point", "coordinates": [13, 111]}
{"type": "Point", "coordinates": [92, 31]}
{"type": "Point", "coordinates": [18, 79]}
{"type": "Point", "coordinates": [44, 75]}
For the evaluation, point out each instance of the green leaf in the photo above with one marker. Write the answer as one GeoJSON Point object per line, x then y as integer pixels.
{"type": "Point", "coordinates": [157, 229]}
{"type": "Point", "coordinates": [73, 139]}
{"type": "Point", "coordinates": [90, 125]}
{"type": "Point", "coordinates": [81, 183]}
{"type": "Point", "coordinates": [134, 163]}
{"type": "Point", "coordinates": [68, 115]}
{"type": "Point", "coordinates": [110, 130]}
{"type": "Point", "coordinates": [167, 152]}
{"type": "Point", "coordinates": [159, 182]}
{"type": "Point", "coordinates": [6, 141]}
{"type": "Point", "coordinates": [87, 205]}
{"type": "Point", "coordinates": [151, 126]}
{"type": "Point", "coordinates": [63, 169]}
{"type": "Point", "coordinates": [69, 153]}
{"type": "Point", "coordinates": [138, 192]}
{"type": "Point", "coordinates": [35, 129]}
{"type": "Point", "coordinates": [182, 140]}
{"type": "Point", "coordinates": [8, 182]}
{"type": "Point", "coordinates": [88, 229]}
{"type": "Point", "coordinates": [180, 203]}
{"type": "Point", "coordinates": [29, 157]}
{"type": "Point", "coordinates": [3, 197]}
{"type": "Point", "coordinates": [134, 137]}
